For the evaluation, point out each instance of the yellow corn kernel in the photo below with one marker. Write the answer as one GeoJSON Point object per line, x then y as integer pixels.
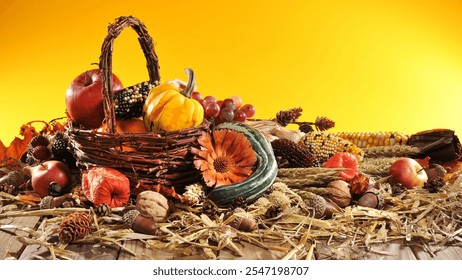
{"type": "Point", "coordinates": [370, 139]}
{"type": "Point", "coordinates": [324, 145]}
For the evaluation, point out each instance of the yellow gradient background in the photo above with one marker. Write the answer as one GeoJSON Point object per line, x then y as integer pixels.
{"type": "Point", "coordinates": [368, 65]}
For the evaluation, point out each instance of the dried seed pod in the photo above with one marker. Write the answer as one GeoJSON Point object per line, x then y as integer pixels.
{"type": "Point", "coordinates": [243, 221]}
{"type": "Point", "coordinates": [74, 226]}
{"type": "Point", "coordinates": [279, 199]}
{"type": "Point", "coordinates": [359, 184]}
{"type": "Point", "coordinates": [339, 192]}
{"type": "Point", "coordinates": [138, 223]}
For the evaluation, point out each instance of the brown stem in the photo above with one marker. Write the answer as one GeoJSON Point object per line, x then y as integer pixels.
{"type": "Point", "coordinates": [188, 90]}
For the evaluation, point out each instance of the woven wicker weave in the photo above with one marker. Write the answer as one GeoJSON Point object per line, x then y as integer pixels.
{"type": "Point", "coordinates": [153, 158]}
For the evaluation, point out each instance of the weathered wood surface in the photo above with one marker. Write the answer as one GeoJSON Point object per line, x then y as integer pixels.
{"type": "Point", "coordinates": [12, 248]}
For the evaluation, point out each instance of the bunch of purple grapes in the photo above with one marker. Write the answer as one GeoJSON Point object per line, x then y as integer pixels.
{"type": "Point", "coordinates": [229, 109]}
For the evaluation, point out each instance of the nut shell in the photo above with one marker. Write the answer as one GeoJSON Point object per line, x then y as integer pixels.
{"type": "Point", "coordinates": [152, 205]}
{"type": "Point", "coordinates": [371, 198]}
{"type": "Point", "coordinates": [339, 192]}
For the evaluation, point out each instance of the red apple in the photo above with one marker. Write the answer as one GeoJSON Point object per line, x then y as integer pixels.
{"type": "Point", "coordinates": [408, 172]}
{"type": "Point", "coordinates": [84, 98]}
{"type": "Point", "coordinates": [45, 173]}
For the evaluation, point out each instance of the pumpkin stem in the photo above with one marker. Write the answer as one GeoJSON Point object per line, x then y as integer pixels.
{"type": "Point", "coordinates": [188, 90]}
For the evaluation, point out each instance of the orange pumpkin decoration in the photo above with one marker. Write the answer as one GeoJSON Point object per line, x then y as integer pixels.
{"type": "Point", "coordinates": [104, 185]}
{"type": "Point", "coordinates": [133, 125]}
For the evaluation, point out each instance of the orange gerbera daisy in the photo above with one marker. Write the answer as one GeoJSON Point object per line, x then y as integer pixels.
{"type": "Point", "coordinates": [225, 157]}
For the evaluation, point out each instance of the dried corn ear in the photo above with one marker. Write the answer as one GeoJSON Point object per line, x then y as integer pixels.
{"type": "Point", "coordinates": [324, 145]}
{"type": "Point", "coordinates": [372, 139]}
{"type": "Point", "coordinates": [128, 102]}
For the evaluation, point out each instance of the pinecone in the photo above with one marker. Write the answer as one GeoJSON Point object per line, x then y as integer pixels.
{"type": "Point", "coordinates": [434, 185]}
{"type": "Point", "coordinates": [286, 117]}
{"type": "Point", "coordinates": [323, 123]}
{"type": "Point", "coordinates": [103, 210]}
{"type": "Point", "coordinates": [295, 154]}
{"type": "Point", "coordinates": [39, 140]}
{"type": "Point", "coordinates": [210, 209]}
{"type": "Point", "coordinates": [305, 127]}
{"type": "Point", "coordinates": [239, 202]}
{"type": "Point", "coordinates": [41, 153]}
{"type": "Point", "coordinates": [74, 226]}
{"type": "Point", "coordinates": [9, 189]}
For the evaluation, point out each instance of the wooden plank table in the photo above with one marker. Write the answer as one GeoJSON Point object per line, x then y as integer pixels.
{"type": "Point", "coordinates": [12, 248]}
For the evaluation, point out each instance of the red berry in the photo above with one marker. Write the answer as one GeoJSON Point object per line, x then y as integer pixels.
{"type": "Point", "coordinates": [239, 116]}
{"type": "Point", "coordinates": [207, 100]}
{"type": "Point", "coordinates": [212, 110]}
{"type": "Point", "coordinates": [237, 101]}
{"type": "Point", "coordinates": [226, 114]}
{"type": "Point", "coordinates": [249, 110]}
{"type": "Point", "coordinates": [228, 103]}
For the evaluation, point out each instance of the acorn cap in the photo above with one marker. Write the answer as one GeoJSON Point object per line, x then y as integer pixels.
{"type": "Point", "coordinates": [45, 202]}
{"type": "Point", "coordinates": [129, 217]}
{"type": "Point", "coordinates": [319, 204]}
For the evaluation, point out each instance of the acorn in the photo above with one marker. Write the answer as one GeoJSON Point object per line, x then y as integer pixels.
{"type": "Point", "coordinates": [322, 207]}
{"type": "Point", "coordinates": [372, 198]}
{"type": "Point", "coordinates": [49, 202]}
{"type": "Point", "coordinates": [138, 223]}
{"type": "Point", "coordinates": [243, 221]}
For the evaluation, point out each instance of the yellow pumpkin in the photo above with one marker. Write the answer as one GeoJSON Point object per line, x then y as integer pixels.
{"type": "Point", "coordinates": [168, 108]}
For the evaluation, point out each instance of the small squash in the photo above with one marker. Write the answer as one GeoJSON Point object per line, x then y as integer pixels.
{"type": "Point", "coordinates": [168, 108]}
{"type": "Point", "coordinates": [261, 179]}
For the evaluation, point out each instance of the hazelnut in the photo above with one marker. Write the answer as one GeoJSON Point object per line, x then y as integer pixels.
{"type": "Point", "coordinates": [152, 205]}
{"type": "Point", "coordinates": [339, 192]}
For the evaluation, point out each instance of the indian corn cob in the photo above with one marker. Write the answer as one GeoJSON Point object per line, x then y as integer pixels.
{"type": "Point", "coordinates": [128, 102]}
{"type": "Point", "coordinates": [324, 145]}
{"type": "Point", "coordinates": [372, 139]}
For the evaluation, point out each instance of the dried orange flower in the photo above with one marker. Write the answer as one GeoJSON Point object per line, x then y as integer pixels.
{"type": "Point", "coordinates": [225, 157]}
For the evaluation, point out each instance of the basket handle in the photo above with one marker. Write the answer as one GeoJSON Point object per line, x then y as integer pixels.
{"type": "Point", "coordinates": [105, 61]}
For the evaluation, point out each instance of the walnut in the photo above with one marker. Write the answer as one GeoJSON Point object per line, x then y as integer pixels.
{"type": "Point", "coordinates": [339, 192]}
{"type": "Point", "coordinates": [152, 205]}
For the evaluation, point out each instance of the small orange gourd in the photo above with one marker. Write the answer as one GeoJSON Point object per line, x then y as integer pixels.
{"type": "Point", "coordinates": [168, 108]}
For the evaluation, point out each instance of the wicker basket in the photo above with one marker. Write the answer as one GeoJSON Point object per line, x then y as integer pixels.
{"type": "Point", "coordinates": [153, 158]}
